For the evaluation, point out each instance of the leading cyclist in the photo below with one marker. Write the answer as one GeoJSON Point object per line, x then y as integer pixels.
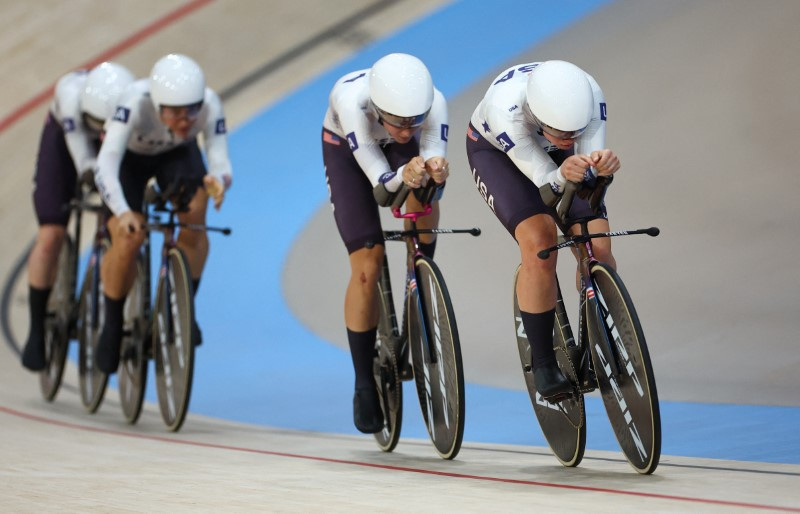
{"type": "Point", "coordinates": [68, 147]}
{"type": "Point", "coordinates": [538, 126]}
{"type": "Point", "coordinates": [154, 133]}
{"type": "Point", "coordinates": [384, 126]}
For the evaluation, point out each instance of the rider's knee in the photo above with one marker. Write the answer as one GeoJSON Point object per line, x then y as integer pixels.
{"type": "Point", "coordinates": [197, 239]}
{"type": "Point", "coordinates": [601, 249]}
{"type": "Point", "coordinates": [50, 238]}
{"type": "Point", "coordinates": [368, 266]}
{"type": "Point", "coordinates": [129, 243]}
{"type": "Point", "coordinates": [531, 242]}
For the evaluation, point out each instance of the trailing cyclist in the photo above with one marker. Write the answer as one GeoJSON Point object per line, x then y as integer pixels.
{"type": "Point", "coordinates": [385, 126]}
{"type": "Point", "coordinates": [538, 126]}
{"type": "Point", "coordinates": [154, 133]}
{"type": "Point", "coordinates": [68, 147]}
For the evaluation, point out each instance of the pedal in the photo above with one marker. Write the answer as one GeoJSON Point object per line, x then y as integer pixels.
{"type": "Point", "coordinates": [588, 381]}
{"type": "Point", "coordinates": [403, 358]}
{"type": "Point", "coordinates": [560, 397]}
{"type": "Point", "coordinates": [406, 371]}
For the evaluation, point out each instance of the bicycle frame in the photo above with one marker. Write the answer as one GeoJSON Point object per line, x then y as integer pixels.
{"type": "Point", "coordinates": [589, 303]}
{"type": "Point", "coordinates": [168, 231]}
{"type": "Point", "coordinates": [608, 353]}
{"type": "Point", "coordinates": [413, 251]}
{"type": "Point", "coordinates": [80, 204]}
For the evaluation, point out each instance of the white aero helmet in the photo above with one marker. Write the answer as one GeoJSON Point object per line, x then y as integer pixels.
{"type": "Point", "coordinates": [104, 83]}
{"type": "Point", "coordinates": [401, 89]}
{"type": "Point", "coordinates": [177, 81]}
{"type": "Point", "coordinates": [560, 98]}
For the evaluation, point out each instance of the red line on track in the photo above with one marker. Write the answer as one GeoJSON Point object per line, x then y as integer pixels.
{"type": "Point", "coordinates": [112, 52]}
{"type": "Point", "coordinates": [200, 444]}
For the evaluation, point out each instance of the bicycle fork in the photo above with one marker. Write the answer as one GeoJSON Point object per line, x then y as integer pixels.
{"type": "Point", "coordinates": [431, 347]}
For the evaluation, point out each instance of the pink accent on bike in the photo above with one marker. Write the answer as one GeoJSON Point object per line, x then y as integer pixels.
{"type": "Point", "coordinates": [413, 216]}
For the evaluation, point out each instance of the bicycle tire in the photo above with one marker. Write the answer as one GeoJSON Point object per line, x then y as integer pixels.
{"type": "Point", "coordinates": [630, 399]}
{"type": "Point", "coordinates": [385, 367]}
{"type": "Point", "coordinates": [57, 323]}
{"type": "Point", "coordinates": [564, 423]}
{"type": "Point", "coordinates": [431, 318]}
{"type": "Point", "coordinates": [91, 317]}
{"type": "Point", "coordinates": [173, 351]}
{"type": "Point", "coordinates": [132, 373]}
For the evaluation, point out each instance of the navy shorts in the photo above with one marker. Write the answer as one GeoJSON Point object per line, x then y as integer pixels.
{"type": "Point", "coordinates": [354, 206]}
{"type": "Point", "coordinates": [55, 178]}
{"type": "Point", "coordinates": [511, 195]}
{"type": "Point", "coordinates": [184, 162]}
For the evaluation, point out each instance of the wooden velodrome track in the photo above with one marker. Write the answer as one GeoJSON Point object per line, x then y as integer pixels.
{"type": "Point", "coordinates": [714, 110]}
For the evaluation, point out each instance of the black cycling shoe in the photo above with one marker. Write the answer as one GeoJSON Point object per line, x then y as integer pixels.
{"type": "Point", "coordinates": [107, 356]}
{"type": "Point", "coordinates": [33, 356]}
{"type": "Point", "coordinates": [197, 335]}
{"type": "Point", "coordinates": [551, 383]}
{"type": "Point", "coordinates": [367, 413]}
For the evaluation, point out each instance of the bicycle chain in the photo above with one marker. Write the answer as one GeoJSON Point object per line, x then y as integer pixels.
{"type": "Point", "coordinates": [582, 415]}
{"type": "Point", "coordinates": [394, 369]}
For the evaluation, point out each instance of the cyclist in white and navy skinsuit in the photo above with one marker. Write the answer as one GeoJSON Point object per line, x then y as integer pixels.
{"type": "Point", "coordinates": [385, 126]}
{"type": "Point", "coordinates": [67, 148]}
{"type": "Point", "coordinates": [154, 133]}
{"type": "Point", "coordinates": [538, 126]}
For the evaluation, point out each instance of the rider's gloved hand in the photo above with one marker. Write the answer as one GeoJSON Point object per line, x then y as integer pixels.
{"type": "Point", "coordinates": [128, 223]}
{"type": "Point", "coordinates": [216, 188]}
{"type": "Point", "coordinates": [438, 169]}
{"type": "Point", "coordinates": [574, 167]}
{"type": "Point", "coordinates": [605, 162]}
{"type": "Point", "coordinates": [414, 172]}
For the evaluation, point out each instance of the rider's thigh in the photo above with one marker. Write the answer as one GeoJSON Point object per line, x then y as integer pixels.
{"type": "Point", "coordinates": [601, 247]}
{"type": "Point", "coordinates": [197, 208]}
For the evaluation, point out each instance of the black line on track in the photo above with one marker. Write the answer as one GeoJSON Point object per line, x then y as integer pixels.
{"type": "Point", "coordinates": [660, 464]}
{"type": "Point", "coordinates": [293, 53]}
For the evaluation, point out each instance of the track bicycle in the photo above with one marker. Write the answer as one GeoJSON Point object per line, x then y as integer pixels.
{"type": "Point", "coordinates": [428, 333]}
{"type": "Point", "coordinates": [162, 332]}
{"type": "Point", "coordinates": [609, 353]}
{"type": "Point", "coordinates": [71, 317]}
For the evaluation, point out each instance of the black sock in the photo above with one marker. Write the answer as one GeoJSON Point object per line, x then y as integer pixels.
{"type": "Point", "coordinates": [362, 350]}
{"type": "Point", "coordinates": [539, 329]}
{"type": "Point", "coordinates": [33, 355]}
{"type": "Point", "coordinates": [195, 286]}
{"type": "Point", "coordinates": [428, 249]}
{"type": "Point", "coordinates": [37, 304]}
{"type": "Point", "coordinates": [107, 356]}
{"type": "Point", "coordinates": [114, 312]}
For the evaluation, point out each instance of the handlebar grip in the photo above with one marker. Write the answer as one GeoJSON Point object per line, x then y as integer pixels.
{"type": "Point", "coordinates": [426, 193]}
{"type": "Point", "coordinates": [599, 193]}
{"type": "Point", "coordinates": [400, 197]}
{"type": "Point", "coordinates": [566, 200]}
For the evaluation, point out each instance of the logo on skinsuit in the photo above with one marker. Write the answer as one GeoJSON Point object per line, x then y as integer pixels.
{"type": "Point", "coordinates": [220, 128]}
{"type": "Point", "coordinates": [68, 124]}
{"type": "Point", "coordinates": [445, 131]}
{"type": "Point", "coordinates": [122, 114]}
{"type": "Point", "coordinates": [505, 142]}
{"type": "Point", "coordinates": [351, 140]}
{"type": "Point", "coordinates": [331, 139]}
